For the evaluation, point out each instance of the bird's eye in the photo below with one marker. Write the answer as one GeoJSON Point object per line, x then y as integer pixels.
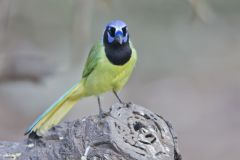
{"type": "Point", "coordinates": [112, 31]}
{"type": "Point", "coordinates": [124, 30]}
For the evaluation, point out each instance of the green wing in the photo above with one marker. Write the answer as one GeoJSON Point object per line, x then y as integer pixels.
{"type": "Point", "coordinates": [92, 59]}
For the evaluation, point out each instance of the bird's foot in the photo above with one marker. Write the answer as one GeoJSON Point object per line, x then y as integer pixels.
{"type": "Point", "coordinates": [126, 104]}
{"type": "Point", "coordinates": [101, 117]}
{"type": "Point", "coordinates": [101, 114]}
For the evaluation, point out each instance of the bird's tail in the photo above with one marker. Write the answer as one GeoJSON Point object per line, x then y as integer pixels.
{"type": "Point", "coordinates": [55, 113]}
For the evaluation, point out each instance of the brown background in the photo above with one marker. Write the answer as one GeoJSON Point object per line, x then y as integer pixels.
{"type": "Point", "coordinates": [188, 69]}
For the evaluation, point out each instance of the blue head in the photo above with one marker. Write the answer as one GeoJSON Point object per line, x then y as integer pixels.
{"type": "Point", "coordinates": [116, 33]}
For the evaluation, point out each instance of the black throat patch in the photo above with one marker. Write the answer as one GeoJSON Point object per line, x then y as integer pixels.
{"type": "Point", "coordinates": [117, 54]}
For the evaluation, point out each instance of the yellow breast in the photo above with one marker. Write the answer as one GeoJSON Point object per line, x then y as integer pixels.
{"type": "Point", "coordinates": [107, 76]}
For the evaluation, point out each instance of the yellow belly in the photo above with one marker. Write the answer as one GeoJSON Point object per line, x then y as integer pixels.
{"type": "Point", "coordinates": [107, 76]}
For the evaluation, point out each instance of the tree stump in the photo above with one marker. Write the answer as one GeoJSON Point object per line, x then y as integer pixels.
{"type": "Point", "coordinates": [126, 132]}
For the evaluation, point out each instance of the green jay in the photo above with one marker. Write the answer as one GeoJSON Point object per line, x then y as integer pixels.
{"type": "Point", "coordinates": [108, 68]}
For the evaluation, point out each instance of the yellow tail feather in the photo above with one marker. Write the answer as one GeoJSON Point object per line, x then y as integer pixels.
{"type": "Point", "coordinates": [57, 111]}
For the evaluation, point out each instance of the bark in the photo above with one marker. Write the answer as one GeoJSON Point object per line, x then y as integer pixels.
{"type": "Point", "coordinates": [126, 132]}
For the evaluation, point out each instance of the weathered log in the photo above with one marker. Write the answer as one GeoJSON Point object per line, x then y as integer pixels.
{"type": "Point", "coordinates": [126, 132]}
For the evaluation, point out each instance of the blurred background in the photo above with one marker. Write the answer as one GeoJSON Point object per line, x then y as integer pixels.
{"type": "Point", "coordinates": [188, 69]}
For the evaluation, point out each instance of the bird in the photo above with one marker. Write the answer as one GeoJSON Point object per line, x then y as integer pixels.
{"type": "Point", "coordinates": [108, 67]}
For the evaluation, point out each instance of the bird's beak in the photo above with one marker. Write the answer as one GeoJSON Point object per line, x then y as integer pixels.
{"type": "Point", "coordinates": [119, 39]}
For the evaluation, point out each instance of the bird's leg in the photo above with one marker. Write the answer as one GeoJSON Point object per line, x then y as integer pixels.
{"type": "Point", "coordinates": [117, 97]}
{"type": "Point", "coordinates": [100, 108]}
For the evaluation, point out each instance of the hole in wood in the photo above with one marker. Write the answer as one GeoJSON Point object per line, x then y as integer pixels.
{"type": "Point", "coordinates": [137, 126]}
